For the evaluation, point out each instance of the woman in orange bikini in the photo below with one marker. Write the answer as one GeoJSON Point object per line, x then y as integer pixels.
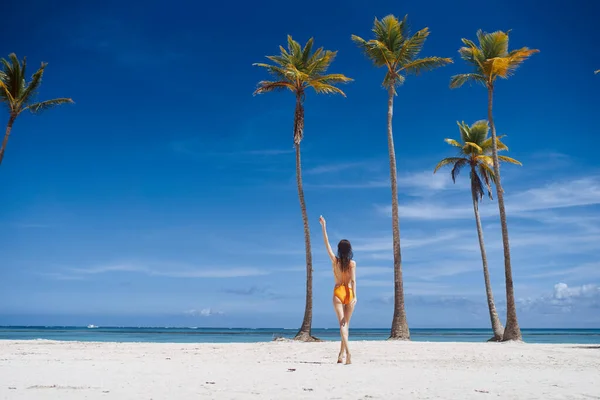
{"type": "Point", "coordinates": [344, 292]}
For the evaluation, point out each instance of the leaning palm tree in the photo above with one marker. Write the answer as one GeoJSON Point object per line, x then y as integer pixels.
{"type": "Point", "coordinates": [19, 95]}
{"type": "Point", "coordinates": [395, 49]}
{"type": "Point", "coordinates": [474, 151]}
{"type": "Point", "coordinates": [492, 60]}
{"type": "Point", "coordinates": [298, 69]}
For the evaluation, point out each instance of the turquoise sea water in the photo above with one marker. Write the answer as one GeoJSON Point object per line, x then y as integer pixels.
{"type": "Point", "coordinates": [232, 335]}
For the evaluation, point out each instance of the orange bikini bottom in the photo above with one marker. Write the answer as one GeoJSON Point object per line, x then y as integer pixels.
{"type": "Point", "coordinates": [344, 293]}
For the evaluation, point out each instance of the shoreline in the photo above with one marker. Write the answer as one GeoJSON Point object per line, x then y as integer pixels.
{"type": "Point", "coordinates": [44, 369]}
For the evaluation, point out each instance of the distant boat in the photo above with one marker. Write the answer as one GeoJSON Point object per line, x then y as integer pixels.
{"type": "Point", "coordinates": [92, 326]}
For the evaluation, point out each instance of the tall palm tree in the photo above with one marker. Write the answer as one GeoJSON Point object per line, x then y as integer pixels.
{"type": "Point", "coordinates": [298, 69]}
{"type": "Point", "coordinates": [395, 49]}
{"type": "Point", "coordinates": [475, 149]}
{"type": "Point", "coordinates": [491, 60]}
{"type": "Point", "coordinates": [19, 95]}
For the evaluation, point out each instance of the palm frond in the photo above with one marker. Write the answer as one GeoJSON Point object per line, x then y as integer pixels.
{"type": "Point", "coordinates": [474, 146]}
{"type": "Point", "coordinates": [321, 64]}
{"type": "Point", "coordinates": [478, 133]}
{"type": "Point", "coordinates": [477, 184]}
{"type": "Point", "coordinates": [45, 105]}
{"type": "Point", "coordinates": [509, 160]}
{"type": "Point", "coordinates": [371, 51]}
{"type": "Point", "coordinates": [490, 59]}
{"type": "Point", "coordinates": [411, 47]}
{"type": "Point", "coordinates": [453, 142]}
{"type": "Point", "coordinates": [448, 161]}
{"type": "Point", "coordinates": [30, 90]}
{"type": "Point", "coordinates": [325, 88]}
{"type": "Point", "coordinates": [487, 144]}
{"type": "Point", "coordinates": [294, 48]}
{"type": "Point", "coordinates": [494, 44]}
{"type": "Point", "coordinates": [307, 50]}
{"type": "Point", "coordinates": [458, 80]}
{"type": "Point", "coordinates": [485, 159]}
{"type": "Point", "coordinates": [270, 86]}
{"type": "Point", "coordinates": [484, 174]}
{"type": "Point", "coordinates": [487, 170]}
{"type": "Point", "coordinates": [297, 68]}
{"type": "Point", "coordinates": [425, 64]}
{"type": "Point", "coordinates": [457, 167]}
{"type": "Point", "coordinates": [278, 72]}
{"type": "Point", "coordinates": [5, 95]}
{"type": "Point", "coordinates": [13, 78]}
{"type": "Point", "coordinates": [393, 47]}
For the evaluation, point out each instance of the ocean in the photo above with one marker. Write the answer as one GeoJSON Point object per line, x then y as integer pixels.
{"type": "Point", "coordinates": [240, 335]}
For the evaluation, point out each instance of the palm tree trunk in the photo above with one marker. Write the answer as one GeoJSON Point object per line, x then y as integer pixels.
{"type": "Point", "coordinates": [304, 334]}
{"type": "Point", "coordinates": [399, 324]}
{"type": "Point", "coordinates": [496, 324]}
{"type": "Point", "coordinates": [11, 121]}
{"type": "Point", "coordinates": [512, 330]}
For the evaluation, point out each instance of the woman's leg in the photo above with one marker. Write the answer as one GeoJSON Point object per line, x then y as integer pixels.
{"type": "Point", "coordinates": [348, 310]}
{"type": "Point", "coordinates": [339, 311]}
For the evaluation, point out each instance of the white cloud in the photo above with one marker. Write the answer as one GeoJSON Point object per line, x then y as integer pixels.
{"type": "Point", "coordinates": [204, 312]}
{"type": "Point", "coordinates": [564, 299]}
{"type": "Point", "coordinates": [564, 194]}
{"type": "Point", "coordinates": [563, 292]}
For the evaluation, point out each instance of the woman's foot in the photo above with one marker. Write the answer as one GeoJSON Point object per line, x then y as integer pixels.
{"type": "Point", "coordinates": [348, 359]}
{"type": "Point", "coordinates": [340, 358]}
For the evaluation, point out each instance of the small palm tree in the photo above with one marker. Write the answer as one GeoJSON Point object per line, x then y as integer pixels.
{"type": "Point", "coordinates": [475, 149]}
{"type": "Point", "coordinates": [491, 60]}
{"type": "Point", "coordinates": [18, 95]}
{"type": "Point", "coordinates": [298, 69]}
{"type": "Point", "coordinates": [396, 50]}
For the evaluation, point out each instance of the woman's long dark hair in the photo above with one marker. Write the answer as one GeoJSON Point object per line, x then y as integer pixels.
{"type": "Point", "coordinates": [344, 254]}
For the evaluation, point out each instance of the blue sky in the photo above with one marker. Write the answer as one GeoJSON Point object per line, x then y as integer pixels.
{"type": "Point", "coordinates": [166, 194]}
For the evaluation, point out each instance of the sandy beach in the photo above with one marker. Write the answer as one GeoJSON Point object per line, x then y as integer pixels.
{"type": "Point", "coordinates": [289, 370]}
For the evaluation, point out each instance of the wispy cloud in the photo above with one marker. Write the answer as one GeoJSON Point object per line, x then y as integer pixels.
{"type": "Point", "coordinates": [374, 184]}
{"type": "Point", "coordinates": [424, 183]}
{"type": "Point", "coordinates": [332, 168]}
{"type": "Point", "coordinates": [563, 194]}
{"type": "Point", "coordinates": [204, 312]}
{"type": "Point", "coordinates": [172, 270]}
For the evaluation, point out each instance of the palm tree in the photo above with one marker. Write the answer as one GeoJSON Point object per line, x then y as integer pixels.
{"type": "Point", "coordinates": [396, 50]}
{"type": "Point", "coordinates": [475, 148]}
{"type": "Point", "coordinates": [492, 60]}
{"type": "Point", "coordinates": [298, 69]}
{"type": "Point", "coordinates": [20, 95]}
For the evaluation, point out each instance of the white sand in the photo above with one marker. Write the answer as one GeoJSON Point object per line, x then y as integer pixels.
{"type": "Point", "coordinates": [284, 370]}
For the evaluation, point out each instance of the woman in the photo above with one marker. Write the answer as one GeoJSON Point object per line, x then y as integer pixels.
{"type": "Point", "coordinates": [344, 292]}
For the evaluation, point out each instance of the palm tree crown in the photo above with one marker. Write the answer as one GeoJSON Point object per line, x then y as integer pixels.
{"type": "Point", "coordinates": [395, 49]}
{"type": "Point", "coordinates": [490, 60]}
{"type": "Point", "coordinates": [19, 95]}
{"type": "Point", "coordinates": [475, 149]}
{"type": "Point", "coordinates": [299, 68]}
